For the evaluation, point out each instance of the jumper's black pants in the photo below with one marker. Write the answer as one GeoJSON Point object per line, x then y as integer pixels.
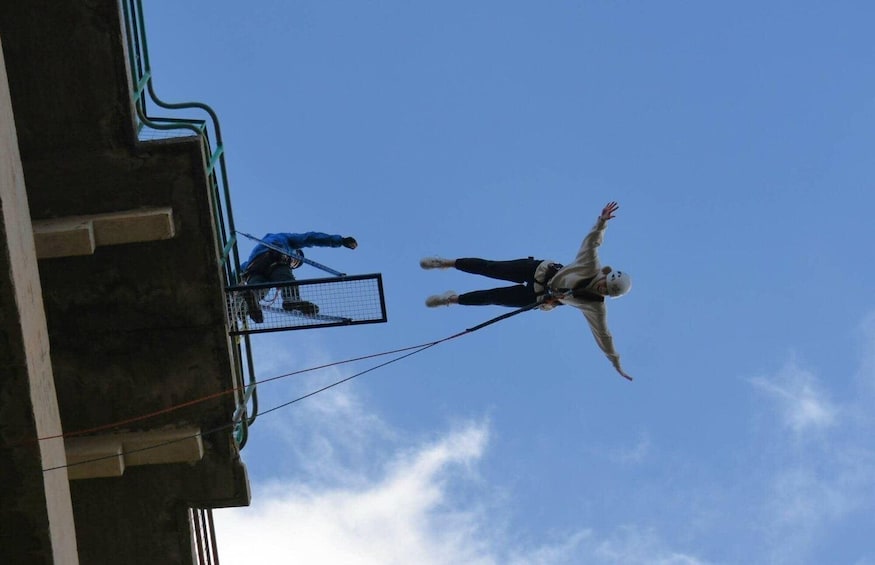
{"type": "Point", "coordinates": [520, 271]}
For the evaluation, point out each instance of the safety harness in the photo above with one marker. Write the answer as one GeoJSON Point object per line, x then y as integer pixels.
{"type": "Point", "coordinates": [267, 261]}
{"type": "Point", "coordinates": [579, 291]}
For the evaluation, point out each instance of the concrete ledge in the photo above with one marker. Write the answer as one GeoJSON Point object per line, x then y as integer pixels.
{"type": "Point", "coordinates": [134, 226]}
{"type": "Point", "coordinates": [108, 456]}
{"type": "Point", "coordinates": [81, 235]}
{"type": "Point", "coordinates": [90, 460]}
{"type": "Point", "coordinates": [183, 445]}
{"type": "Point", "coordinates": [63, 238]}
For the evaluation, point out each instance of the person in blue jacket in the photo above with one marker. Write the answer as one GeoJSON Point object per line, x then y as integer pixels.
{"type": "Point", "coordinates": [273, 260]}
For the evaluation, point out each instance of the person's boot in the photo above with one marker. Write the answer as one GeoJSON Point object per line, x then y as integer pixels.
{"type": "Point", "coordinates": [302, 306]}
{"type": "Point", "coordinates": [253, 307]}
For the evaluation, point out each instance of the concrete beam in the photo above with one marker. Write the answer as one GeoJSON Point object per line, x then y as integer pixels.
{"type": "Point", "coordinates": [108, 455]}
{"type": "Point", "coordinates": [150, 224]}
{"type": "Point", "coordinates": [36, 510]}
{"type": "Point", "coordinates": [81, 235]}
{"type": "Point", "coordinates": [88, 460]}
{"type": "Point", "coordinates": [182, 445]}
{"type": "Point", "coordinates": [63, 238]}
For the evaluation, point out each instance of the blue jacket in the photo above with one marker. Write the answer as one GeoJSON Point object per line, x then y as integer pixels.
{"type": "Point", "coordinates": [291, 242]}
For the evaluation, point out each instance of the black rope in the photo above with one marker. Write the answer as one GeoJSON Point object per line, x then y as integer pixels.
{"type": "Point", "coordinates": [417, 349]}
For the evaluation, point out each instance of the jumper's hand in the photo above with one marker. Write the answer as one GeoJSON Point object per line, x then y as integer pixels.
{"type": "Point", "coordinates": [608, 211]}
{"type": "Point", "coordinates": [350, 242]}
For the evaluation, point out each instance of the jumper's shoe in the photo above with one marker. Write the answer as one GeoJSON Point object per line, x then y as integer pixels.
{"type": "Point", "coordinates": [302, 306]}
{"type": "Point", "coordinates": [253, 307]}
{"type": "Point", "coordinates": [445, 299]}
{"type": "Point", "coordinates": [436, 263]}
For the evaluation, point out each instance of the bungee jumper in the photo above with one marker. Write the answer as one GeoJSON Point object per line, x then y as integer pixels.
{"type": "Point", "coordinates": [546, 284]}
{"type": "Point", "coordinates": [274, 258]}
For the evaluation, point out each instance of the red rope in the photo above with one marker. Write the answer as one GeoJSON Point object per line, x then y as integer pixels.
{"type": "Point", "coordinates": [214, 395]}
{"type": "Point", "coordinates": [173, 408]}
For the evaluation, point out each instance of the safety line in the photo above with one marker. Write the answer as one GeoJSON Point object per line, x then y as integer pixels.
{"type": "Point", "coordinates": [418, 349]}
{"type": "Point", "coordinates": [214, 395]}
{"type": "Point", "coordinates": [389, 362]}
{"type": "Point", "coordinates": [332, 385]}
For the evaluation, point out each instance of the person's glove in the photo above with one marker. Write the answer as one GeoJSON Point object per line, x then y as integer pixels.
{"type": "Point", "coordinates": [349, 242]}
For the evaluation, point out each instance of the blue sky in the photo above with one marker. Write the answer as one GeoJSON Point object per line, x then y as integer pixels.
{"type": "Point", "coordinates": [737, 138]}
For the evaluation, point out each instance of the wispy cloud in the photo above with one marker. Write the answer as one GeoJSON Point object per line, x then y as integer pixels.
{"type": "Point", "coordinates": [348, 488]}
{"type": "Point", "coordinates": [407, 515]}
{"type": "Point", "coordinates": [804, 405]}
{"type": "Point", "coordinates": [330, 437]}
{"type": "Point", "coordinates": [814, 487]}
{"type": "Point", "coordinates": [809, 501]}
{"type": "Point", "coordinates": [634, 455]}
{"type": "Point", "coordinates": [413, 513]}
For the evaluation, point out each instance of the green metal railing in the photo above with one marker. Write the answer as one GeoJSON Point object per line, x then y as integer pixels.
{"type": "Point", "coordinates": [214, 157]}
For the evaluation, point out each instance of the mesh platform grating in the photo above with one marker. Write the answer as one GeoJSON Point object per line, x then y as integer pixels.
{"type": "Point", "coordinates": [341, 301]}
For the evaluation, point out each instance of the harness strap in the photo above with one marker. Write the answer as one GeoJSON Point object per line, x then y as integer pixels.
{"type": "Point", "coordinates": [580, 293]}
{"type": "Point", "coordinates": [551, 271]}
{"type": "Point", "coordinates": [266, 261]}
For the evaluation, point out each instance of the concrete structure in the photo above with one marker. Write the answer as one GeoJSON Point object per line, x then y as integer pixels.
{"type": "Point", "coordinates": [111, 307]}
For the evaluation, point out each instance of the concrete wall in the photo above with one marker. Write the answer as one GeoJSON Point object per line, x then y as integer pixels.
{"type": "Point", "coordinates": [135, 325]}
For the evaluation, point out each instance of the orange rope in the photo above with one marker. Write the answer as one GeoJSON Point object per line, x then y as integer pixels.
{"type": "Point", "coordinates": [214, 395]}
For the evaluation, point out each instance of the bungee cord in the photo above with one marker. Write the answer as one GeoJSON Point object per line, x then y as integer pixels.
{"type": "Point", "coordinates": [413, 350]}
{"type": "Point", "coordinates": [232, 390]}
{"type": "Point", "coordinates": [407, 352]}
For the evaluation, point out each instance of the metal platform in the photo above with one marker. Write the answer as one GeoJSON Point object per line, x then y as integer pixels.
{"type": "Point", "coordinates": [293, 305]}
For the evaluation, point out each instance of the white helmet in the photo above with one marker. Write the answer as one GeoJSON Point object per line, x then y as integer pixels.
{"type": "Point", "coordinates": [618, 283]}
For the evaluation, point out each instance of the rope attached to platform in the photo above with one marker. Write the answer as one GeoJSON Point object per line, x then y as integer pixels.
{"type": "Point", "coordinates": [408, 352]}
